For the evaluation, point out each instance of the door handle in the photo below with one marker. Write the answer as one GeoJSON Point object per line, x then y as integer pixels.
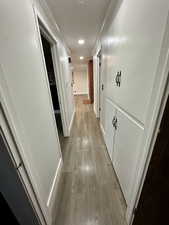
{"type": "Point", "coordinates": [118, 79]}
{"type": "Point", "coordinates": [114, 122]}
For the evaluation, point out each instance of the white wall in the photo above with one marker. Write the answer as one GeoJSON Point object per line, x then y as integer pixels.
{"type": "Point", "coordinates": [131, 43]}
{"type": "Point", "coordinates": [25, 97]}
{"type": "Point", "coordinates": [96, 76]}
{"type": "Point", "coordinates": [80, 77]}
{"type": "Point", "coordinates": [96, 83]}
{"type": "Point", "coordinates": [65, 70]}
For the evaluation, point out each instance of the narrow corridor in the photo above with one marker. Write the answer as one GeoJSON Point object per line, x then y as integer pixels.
{"type": "Point", "coordinates": [72, 168]}
{"type": "Point", "coordinates": [88, 192]}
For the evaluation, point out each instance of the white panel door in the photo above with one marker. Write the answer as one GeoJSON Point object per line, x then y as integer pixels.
{"type": "Point", "coordinates": [128, 46]}
{"type": "Point", "coordinates": [102, 82]}
{"type": "Point", "coordinates": [126, 152]}
{"type": "Point", "coordinates": [109, 128]}
{"type": "Point", "coordinates": [26, 94]}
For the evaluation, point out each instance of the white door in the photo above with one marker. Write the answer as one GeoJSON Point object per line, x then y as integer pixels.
{"type": "Point", "coordinates": [126, 152]}
{"type": "Point", "coordinates": [101, 94]}
{"type": "Point", "coordinates": [28, 102]}
{"type": "Point", "coordinates": [109, 128]}
{"type": "Point", "coordinates": [70, 94]}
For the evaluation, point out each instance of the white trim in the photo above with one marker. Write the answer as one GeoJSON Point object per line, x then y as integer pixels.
{"type": "Point", "coordinates": [60, 91]}
{"type": "Point", "coordinates": [95, 112]}
{"type": "Point", "coordinates": [42, 26]}
{"type": "Point", "coordinates": [124, 112]}
{"type": "Point", "coordinates": [102, 130]}
{"type": "Point", "coordinates": [152, 123]}
{"type": "Point", "coordinates": [71, 122]}
{"type": "Point", "coordinates": [98, 91]}
{"type": "Point", "coordinates": [52, 194]}
{"type": "Point", "coordinates": [12, 149]}
{"type": "Point", "coordinates": [87, 80]}
{"type": "Point", "coordinates": [80, 93]}
{"type": "Point", "coordinates": [20, 151]}
{"type": "Point", "coordinates": [96, 71]}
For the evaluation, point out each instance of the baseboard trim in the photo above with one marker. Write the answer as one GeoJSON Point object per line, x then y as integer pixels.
{"type": "Point", "coordinates": [129, 216]}
{"type": "Point", "coordinates": [51, 198]}
{"type": "Point", "coordinates": [95, 112]}
{"type": "Point", "coordinates": [103, 131]}
{"type": "Point", "coordinates": [80, 93]}
{"type": "Point", "coordinates": [71, 122]}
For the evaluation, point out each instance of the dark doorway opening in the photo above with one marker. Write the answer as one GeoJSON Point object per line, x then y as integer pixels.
{"type": "Point", "coordinates": [53, 86]}
{"type": "Point", "coordinates": [6, 212]}
{"type": "Point", "coordinates": [15, 205]}
{"type": "Point", "coordinates": [154, 201]}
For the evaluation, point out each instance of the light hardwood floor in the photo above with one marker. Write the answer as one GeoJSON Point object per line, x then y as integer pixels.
{"type": "Point", "coordinates": [88, 192]}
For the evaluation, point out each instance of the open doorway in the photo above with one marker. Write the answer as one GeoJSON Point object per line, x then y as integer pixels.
{"type": "Point", "coordinates": [47, 50]}
{"type": "Point", "coordinates": [7, 214]}
{"type": "Point", "coordinates": [15, 203]}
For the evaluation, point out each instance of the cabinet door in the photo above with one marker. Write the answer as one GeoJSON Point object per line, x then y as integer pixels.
{"type": "Point", "coordinates": [126, 152]}
{"type": "Point", "coordinates": [109, 129]}
{"type": "Point", "coordinates": [128, 47]}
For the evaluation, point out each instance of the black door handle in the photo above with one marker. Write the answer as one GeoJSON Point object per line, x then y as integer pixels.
{"type": "Point", "coordinates": [118, 79]}
{"type": "Point", "coordinates": [114, 122]}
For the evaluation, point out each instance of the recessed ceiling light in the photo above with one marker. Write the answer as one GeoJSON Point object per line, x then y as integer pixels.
{"type": "Point", "coordinates": [81, 57]}
{"type": "Point", "coordinates": [81, 41]}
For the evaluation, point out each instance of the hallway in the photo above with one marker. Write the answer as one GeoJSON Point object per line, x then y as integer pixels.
{"type": "Point", "coordinates": [88, 192]}
{"type": "Point", "coordinates": [54, 54]}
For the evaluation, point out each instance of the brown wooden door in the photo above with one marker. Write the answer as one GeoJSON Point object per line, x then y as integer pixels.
{"type": "Point", "coordinates": [91, 88]}
{"type": "Point", "coordinates": [153, 207]}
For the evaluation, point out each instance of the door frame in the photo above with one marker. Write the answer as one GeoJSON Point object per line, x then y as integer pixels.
{"type": "Point", "coordinates": [100, 92]}
{"type": "Point", "coordinates": [99, 81]}
{"type": "Point", "coordinates": [17, 153]}
{"type": "Point", "coordinates": [8, 130]}
{"type": "Point", "coordinates": [153, 142]}
{"type": "Point", "coordinates": [17, 177]}
{"type": "Point", "coordinates": [154, 115]}
{"type": "Point", "coordinates": [43, 28]}
{"type": "Point", "coordinates": [96, 82]}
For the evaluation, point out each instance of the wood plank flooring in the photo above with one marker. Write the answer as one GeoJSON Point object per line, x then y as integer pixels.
{"type": "Point", "coordinates": [88, 192]}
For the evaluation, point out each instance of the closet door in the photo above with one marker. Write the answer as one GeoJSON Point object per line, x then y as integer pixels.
{"type": "Point", "coordinates": [129, 48]}
{"type": "Point", "coordinates": [109, 128]}
{"type": "Point", "coordinates": [126, 152]}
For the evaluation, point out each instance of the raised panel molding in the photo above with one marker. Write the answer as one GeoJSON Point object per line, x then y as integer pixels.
{"type": "Point", "coordinates": [110, 113]}
{"type": "Point", "coordinates": [126, 152]}
{"type": "Point", "coordinates": [125, 141]}
{"type": "Point", "coordinates": [127, 114]}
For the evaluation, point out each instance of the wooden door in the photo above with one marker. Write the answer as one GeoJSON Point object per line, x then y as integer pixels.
{"type": "Point", "coordinates": [154, 201]}
{"type": "Point", "coordinates": [91, 88]}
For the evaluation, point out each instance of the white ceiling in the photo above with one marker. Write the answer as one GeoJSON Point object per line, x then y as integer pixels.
{"type": "Point", "coordinates": [79, 19]}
